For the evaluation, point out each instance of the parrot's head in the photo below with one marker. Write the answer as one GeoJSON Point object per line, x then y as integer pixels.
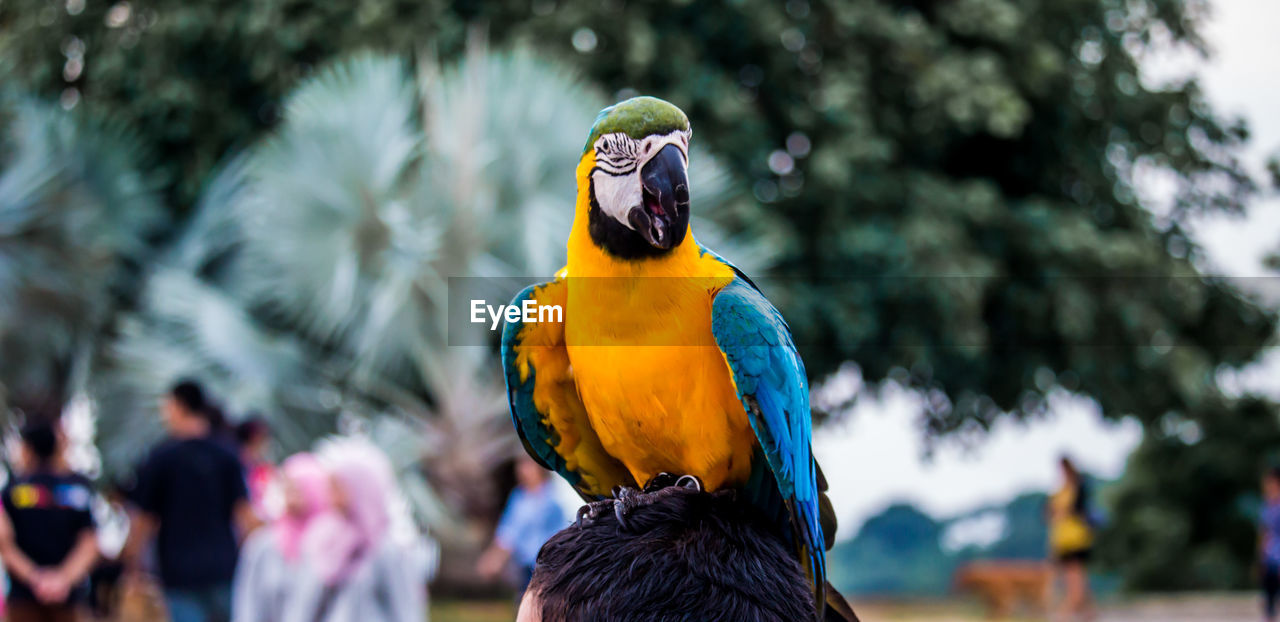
{"type": "Point", "coordinates": [638, 184]}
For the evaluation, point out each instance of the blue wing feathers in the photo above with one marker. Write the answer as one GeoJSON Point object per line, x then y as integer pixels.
{"type": "Point", "coordinates": [772, 385]}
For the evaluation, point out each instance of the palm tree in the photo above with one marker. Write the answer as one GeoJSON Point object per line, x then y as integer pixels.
{"type": "Point", "coordinates": [75, 215]}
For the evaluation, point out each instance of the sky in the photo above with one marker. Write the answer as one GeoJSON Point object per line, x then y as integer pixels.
{"type": "Point", "coordinates": [876, 456]}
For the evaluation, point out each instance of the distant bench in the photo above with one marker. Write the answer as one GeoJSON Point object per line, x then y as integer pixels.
{"type": "Point", "coordinates": [1002, 585]}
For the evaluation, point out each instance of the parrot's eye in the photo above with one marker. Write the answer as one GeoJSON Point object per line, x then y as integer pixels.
{"type": "Point", "coordinates": [654, 143]}
{"type": "Point", "coordinates": [616, 154]}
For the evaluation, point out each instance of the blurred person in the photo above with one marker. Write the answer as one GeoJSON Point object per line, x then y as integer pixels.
{"type": "Point", "coordinates": [1071, 544]}
{"type": "Point", "coordinates": [532, 515]}
{"type": "Point", "coordinates": [1269, 542]}
{"type": "Point", "coordinates": [253, 438]}
{"type": "Point", "coordinates": [268, 568]}
{"type": "Point", "coordinates": [676, 554]}
{"type": "Point", "coordinates": [192, 498]}
{"type": "Point", "coordinates": [353, 568]}
{"type": "Point", "coordinates": [48, 539]}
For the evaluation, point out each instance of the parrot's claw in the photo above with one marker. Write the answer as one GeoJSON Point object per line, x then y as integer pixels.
{"type": "Point", "coordinates": [627, 499]}
{"type": "Point", "coordinates": [589, 512]}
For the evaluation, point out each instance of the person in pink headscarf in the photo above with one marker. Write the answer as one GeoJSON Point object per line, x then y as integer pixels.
{"type": "Point", "coordinates": [267, 572]}
{"type": "Point", "coordinates": [356, 566]}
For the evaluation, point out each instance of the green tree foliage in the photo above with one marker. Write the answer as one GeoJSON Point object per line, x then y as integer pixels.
{"type": "Point", "coordinates": [1184, 514]}
{"type": "Point", "coordinates": [196, 79]}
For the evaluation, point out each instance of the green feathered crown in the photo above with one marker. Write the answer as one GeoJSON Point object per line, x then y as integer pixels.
{"type": "Point", "coordinates": [637, 117]}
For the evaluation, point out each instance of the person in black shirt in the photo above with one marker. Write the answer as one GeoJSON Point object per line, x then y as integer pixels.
{"type": "Point", "coordinates": [48, 540]}
{"type": "Point", "coordinates": [193, 501]}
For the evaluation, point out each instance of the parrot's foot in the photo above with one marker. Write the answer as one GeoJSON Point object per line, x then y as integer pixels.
{"type": "Point", "coordinates": [625, 498]}
{"type": "Point", "coordinates": [667, 480]}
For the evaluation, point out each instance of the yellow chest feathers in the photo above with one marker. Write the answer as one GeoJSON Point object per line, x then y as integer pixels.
{"type": "Point", "coordinates": [656, 388]}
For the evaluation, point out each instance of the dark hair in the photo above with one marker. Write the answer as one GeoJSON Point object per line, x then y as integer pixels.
{"type": "Point", "coordinates": [250, 428]}
{"type": "Point", "coordinates": [40, 435]}
{"type": "Point", "coordinates": [670, 555]}
{"type": "Point", "coordinates": [190, 395]}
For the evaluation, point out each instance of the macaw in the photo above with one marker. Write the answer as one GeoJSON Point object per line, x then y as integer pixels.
{"type": "Point", "coordinates": [669, 360]}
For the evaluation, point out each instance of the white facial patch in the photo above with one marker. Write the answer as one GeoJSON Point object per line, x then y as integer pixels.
{"type": "Point", "coordinates": [619, 159]}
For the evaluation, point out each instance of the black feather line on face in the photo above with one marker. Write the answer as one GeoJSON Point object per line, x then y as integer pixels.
{"type": "Point", "coordinates": [618, 240]}
{"type": "Point", "coordinates": [617, 155]}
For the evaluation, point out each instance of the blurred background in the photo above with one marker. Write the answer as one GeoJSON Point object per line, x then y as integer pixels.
{"type": "Point", "coordinates": [1001, 230]}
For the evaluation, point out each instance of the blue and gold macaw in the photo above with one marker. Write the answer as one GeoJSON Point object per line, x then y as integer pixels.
{"type": "Point", "coordinates": [669, 360]}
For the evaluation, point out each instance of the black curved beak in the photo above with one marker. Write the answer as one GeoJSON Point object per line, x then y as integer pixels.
{"type": "Point", "coordinates": [663, 215]}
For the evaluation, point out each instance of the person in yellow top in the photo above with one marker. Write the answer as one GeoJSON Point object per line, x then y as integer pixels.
{"type": "Point", "coordinates": [1071, 544]}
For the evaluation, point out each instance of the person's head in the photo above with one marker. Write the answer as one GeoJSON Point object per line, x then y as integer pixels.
{"type": "Point", "coordinates": [41, 443]}
{"type": "Point", "coordinates": [185, 408]}
{"type": "Point", "coordinates": [529, 474]}
{"type": "Point", "coordinates": [1069, 471]}
{"type": "Point", "coordinates": [361, 484]}
{"type": "Point", "coordinates": [252, 436]}
{"type": "Point", "coordinates": [1271, 484]}
{"type": "Point", "coordinates": [306, 485]}
{"type": "Point", "coordinates": [674, 554]}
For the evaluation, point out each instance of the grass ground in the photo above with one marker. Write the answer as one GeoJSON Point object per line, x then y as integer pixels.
{"type": "Point", "coordinates": [472, 611]}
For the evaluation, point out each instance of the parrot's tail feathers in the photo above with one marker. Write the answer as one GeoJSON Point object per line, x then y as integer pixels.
{"type": "Point", "coordinates": [800, 523]}
{"type": "Point", "coordinates": [808, 546]}
{"type": "Point", "coordinates": [813, 570]}
{"type": "Point", "coordinates": [827, 518]}
{"type": "Point", "coordinates": [838, 609]}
